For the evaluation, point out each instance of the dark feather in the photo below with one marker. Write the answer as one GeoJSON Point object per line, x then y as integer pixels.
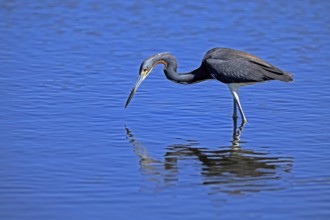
{"type": "Point", "coordinates": [232, 66]}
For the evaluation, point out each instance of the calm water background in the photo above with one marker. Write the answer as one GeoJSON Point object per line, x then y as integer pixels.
{"type": "Point", "coordinates": [70, 150]}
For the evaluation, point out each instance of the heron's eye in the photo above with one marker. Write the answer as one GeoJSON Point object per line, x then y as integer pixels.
{"type": "Point", "coordinates": [145, 70]}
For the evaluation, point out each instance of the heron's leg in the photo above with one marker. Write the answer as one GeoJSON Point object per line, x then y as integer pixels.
{"type": "Point", "coordinates": [236, 132]}
{"type": "Point", "coordinates": [235, 121]}
{"type": "Point", "coordinates": [234, 91]}
{"type": "Point", "coordinates": [235, 110]}
{"type": "Point", "coordinates": [235, 125]}
{"type": "Point", "coordinates": [241, 111]}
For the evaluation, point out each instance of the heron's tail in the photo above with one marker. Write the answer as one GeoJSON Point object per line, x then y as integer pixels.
{"type": "Point", "coordinates": [273, 72]}
{"type": "Point", "coordinates": [287, 77]}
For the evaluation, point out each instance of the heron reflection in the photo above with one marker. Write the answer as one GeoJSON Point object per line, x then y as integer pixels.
{"type": "Point", "coordinates": [228, 169]}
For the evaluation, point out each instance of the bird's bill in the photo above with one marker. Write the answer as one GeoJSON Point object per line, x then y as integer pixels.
{"type": "Point", "coordinates": [136, 86]}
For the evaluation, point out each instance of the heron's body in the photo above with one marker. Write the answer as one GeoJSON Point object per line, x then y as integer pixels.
{"type": "Point", "coordinates": [232, 67]}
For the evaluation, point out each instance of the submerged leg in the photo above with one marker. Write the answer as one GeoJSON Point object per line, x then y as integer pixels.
{"type": "Point", "coordinates": [234, 91]}
{"type": "Point", "coordinates": [236, 132]}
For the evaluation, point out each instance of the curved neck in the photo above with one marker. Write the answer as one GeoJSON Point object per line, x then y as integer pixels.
{"type": "Point", "coordinates": [170, 70]}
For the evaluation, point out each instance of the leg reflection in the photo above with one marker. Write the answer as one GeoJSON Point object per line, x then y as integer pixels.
{"type": "Point", "coordinates": [236, 133]}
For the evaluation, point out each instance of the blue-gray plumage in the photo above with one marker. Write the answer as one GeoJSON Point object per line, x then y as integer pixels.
{"type": "Point", "coordinates": [232, 67]}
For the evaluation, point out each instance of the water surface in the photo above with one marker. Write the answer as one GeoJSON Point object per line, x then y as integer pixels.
{"type": "Point", "coordinates": [69, 149]}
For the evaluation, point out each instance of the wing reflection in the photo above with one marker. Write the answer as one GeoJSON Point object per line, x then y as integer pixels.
{"type": "Point", "coordinates": [229, 169]}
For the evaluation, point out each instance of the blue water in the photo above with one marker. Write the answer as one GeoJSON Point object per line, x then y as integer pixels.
{"type": "Point", "coordinates": [69, 149]}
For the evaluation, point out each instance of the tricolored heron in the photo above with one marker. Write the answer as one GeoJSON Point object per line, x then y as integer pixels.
{"type": "Point", "coordinates": [232, 67]}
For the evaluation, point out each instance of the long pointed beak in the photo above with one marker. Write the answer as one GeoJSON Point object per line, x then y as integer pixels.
{"type": "Point", "coordinates": [136, 86]}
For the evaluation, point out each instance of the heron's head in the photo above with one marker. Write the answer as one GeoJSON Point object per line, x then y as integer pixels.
{"type": "Point", "coordinates": [145, 69]}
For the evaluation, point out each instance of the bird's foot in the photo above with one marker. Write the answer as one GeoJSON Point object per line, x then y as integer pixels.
{"type": "Point", "coordinates": [244, 121]}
